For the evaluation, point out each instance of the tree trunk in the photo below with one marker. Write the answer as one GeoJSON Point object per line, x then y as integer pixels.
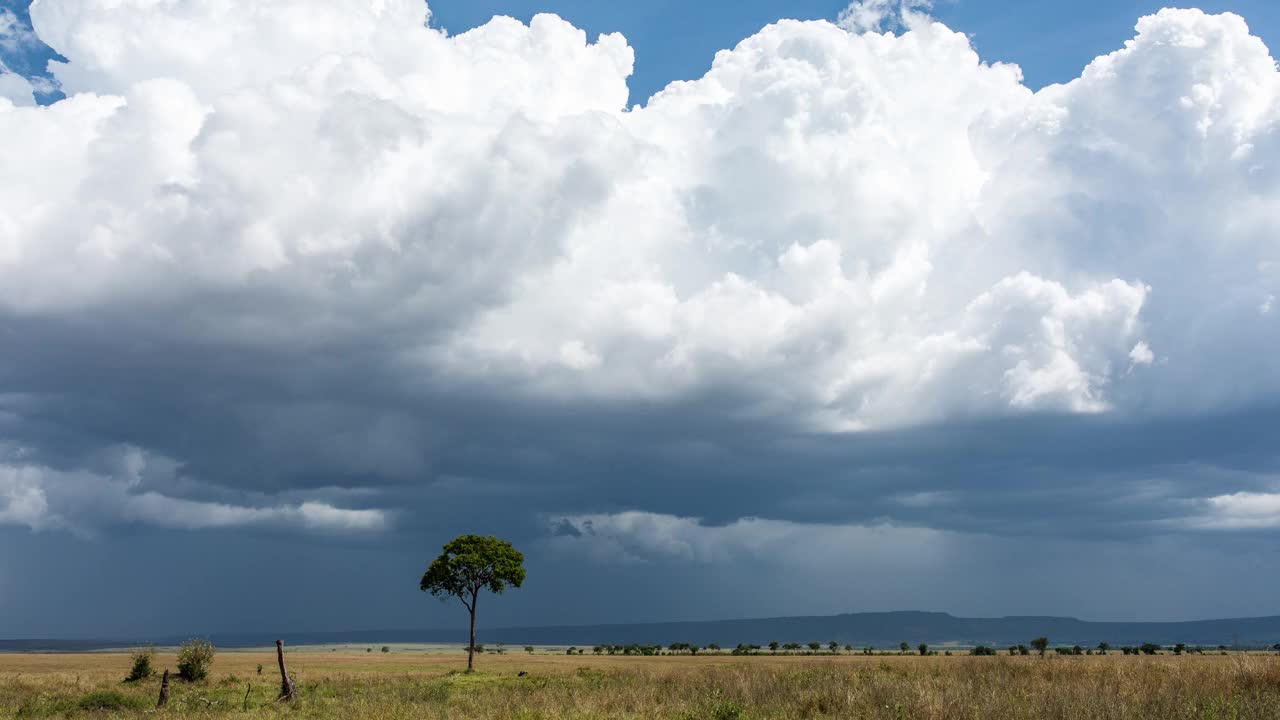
{"type": "Point", "coordinates": [471, 649]}
{"type": "Point", "coordinates": [287, 690]}
{"type": "Point", "coordinates": [164, 690]}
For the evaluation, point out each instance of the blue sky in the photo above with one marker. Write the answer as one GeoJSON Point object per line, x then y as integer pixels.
{"type": "Point", "coordinates": [850, 321]}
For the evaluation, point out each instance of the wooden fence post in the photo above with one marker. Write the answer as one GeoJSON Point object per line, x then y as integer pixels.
{"type": "Point", "coordinates": [287, 689]}
{"type": "Point", "coordinates": [164, 690]}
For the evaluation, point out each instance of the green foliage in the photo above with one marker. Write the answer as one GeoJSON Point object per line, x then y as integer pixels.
{"type": "Point", "coordinates": [194, 658]}
{"type": "Point", "coordinates": [386, 649]}
{"type": "Point", "coordinates": [110, 701]}
{"type": "Point", "coordinates": [984, 650]}
{"type": "Point", "coordinates": [1149, 648]}
{"type": "Point", "coordinates": [142, 664]}
{"type": "Point", "coordinates": [471, 563]}
{"type": "Point", "coordinates": [904, 647]}
{"type": "Point", "coordinates": [1040, 644]}
{"type": "Point", "coordinates": [815, 646]}
{"type": "Point", "coordinates": [923, 648]}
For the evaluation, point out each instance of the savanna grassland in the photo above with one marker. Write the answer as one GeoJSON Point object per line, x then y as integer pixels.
{"type": "Point", "coordinates": [403, 684]}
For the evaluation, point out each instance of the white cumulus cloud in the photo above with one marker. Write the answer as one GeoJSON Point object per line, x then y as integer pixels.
{"type": "Point", "coordinates": [843, 228]}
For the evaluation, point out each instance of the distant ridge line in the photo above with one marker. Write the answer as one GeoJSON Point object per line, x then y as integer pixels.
{"type": "Point", "coordinates": [875, 629]}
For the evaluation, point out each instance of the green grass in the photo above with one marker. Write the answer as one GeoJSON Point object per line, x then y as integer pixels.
{"type": "Point", "coordinates": [669, 688]}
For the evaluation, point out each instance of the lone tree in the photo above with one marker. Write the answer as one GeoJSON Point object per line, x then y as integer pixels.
{"type": "Point", "coordinates": [1040, 644]}
{"type": "Point", "coordinates": [468, 565]}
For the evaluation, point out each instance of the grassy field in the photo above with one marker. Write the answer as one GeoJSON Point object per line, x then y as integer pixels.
{"type": "Point", "coordinates": [404, 684]}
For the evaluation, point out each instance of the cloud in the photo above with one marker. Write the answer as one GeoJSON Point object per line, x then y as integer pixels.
{"type": "Point", "coordinates": [358, 252]}
{"type": "Point", "coordinates": [1241, 511]}
{"type": "Point", "coordinates": [15, 36]}
{"type": "Point", "coordinates": [636, 536]}
{"type": "Point", "coordinates": [873, 15]}
{"type": "Point", "coordinates": [14, 88]}
{"type": "Point", "coordinates": [855, 311]}
{"type": "Point", "coordinates": [43, 498]}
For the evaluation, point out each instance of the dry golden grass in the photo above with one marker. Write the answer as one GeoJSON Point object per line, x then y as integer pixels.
{"type": "Point", "coordinates": [414, 685]}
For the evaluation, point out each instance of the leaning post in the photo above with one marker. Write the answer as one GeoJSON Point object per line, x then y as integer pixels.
{"type": "Point", "coordinates": [164, 690]}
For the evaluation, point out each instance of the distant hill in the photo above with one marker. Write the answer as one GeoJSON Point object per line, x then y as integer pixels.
{"type": "Point", "coordinates": [887, 629]}
{"type": "Point", "coordinates": [880, 630]}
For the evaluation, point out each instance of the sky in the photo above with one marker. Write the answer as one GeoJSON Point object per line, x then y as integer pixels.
{"type": "Point", "coordinates": [875, 307]}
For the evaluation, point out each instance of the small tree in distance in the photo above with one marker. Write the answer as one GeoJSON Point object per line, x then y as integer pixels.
{"type": "Point", "coordinates": [469, 565]}
{"type": "Point", "coordinates": [904, 647]}
{"type": "Point", "coordinates": [1040, 644]}
{"type": "Point", "coordinates": [923, 648]}
{"type": "Point", "coordinates": [773, 646]}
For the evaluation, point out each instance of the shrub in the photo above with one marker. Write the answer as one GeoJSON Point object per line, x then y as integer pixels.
{"type": "Point", "coordinates": [194, 658]}
{"type": "Point", "coordinates": [386, 648]}
{"type": "Point", "coordinates": [984, 650]}
{"type": "Point", "coordinates": [141, 669]}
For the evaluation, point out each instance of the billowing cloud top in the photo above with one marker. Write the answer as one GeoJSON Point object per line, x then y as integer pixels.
{"type": "Point", "coordinates": [283, 247]}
